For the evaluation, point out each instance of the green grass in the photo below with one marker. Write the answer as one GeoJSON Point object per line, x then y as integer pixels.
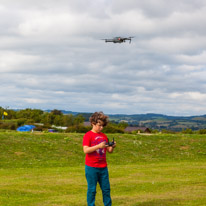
{"type": "Point", "coordinates": [38, 169]}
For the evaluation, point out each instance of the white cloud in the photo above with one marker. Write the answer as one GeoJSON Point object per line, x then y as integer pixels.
{"type": "Point", "coordinates": [52, 55]}
{"type": "Point", "coordinates": [198, 59]}
{"type": "Point", "coordinates": [16, 62]}
{"type": "Point", "coordinates": [33, 101]}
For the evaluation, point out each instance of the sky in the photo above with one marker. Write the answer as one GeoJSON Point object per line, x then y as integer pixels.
{"type": "Point", "coordinates": [52, 56]}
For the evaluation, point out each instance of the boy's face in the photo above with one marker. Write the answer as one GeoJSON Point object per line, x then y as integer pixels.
{"type": "Point", "coordinates": [98, 127]}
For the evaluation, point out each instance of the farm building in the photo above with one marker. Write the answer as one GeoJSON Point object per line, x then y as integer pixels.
{"type": "Point", "coordinates": [87, 124]}
{"type": "Point", "coordinates": [138, 129]}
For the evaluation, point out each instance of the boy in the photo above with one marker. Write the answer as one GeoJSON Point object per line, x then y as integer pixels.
{"type": "Point", "coordinates": [95, 148]}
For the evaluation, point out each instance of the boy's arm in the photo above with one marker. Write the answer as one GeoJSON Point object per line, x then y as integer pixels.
{"type": "Point", "coordinates": [88, 149]}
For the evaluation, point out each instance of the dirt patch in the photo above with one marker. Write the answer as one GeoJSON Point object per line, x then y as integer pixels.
{"type": "Point", "coordinates": [184, 147]}
{"type": "Point", "coordinates": [19, 153]}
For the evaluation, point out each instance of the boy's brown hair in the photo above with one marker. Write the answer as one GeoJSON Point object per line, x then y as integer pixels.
{"type": "Point", "coordinates": [99, 117]}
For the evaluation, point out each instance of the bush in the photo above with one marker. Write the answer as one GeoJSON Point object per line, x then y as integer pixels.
{"type": "Point", "coordinates": [202, 131]}
{"type": "Point", "coordinates": [164, 131]}
{"type": "Point", "coordinates": [187, 131]}
{"type": "Point", "coordinates": [155, 131]}
{"type": "Point", "coordinates": [112, 129]}
{"type": "Point", "coordinates": [8, 125]}
{"type": "Point", "coordinates": [78, 129]}
{"type": "Point", "coordinates": [39, 128]}
{"type": "Point", "coordinates": [42, 127]}
{"type": "Point", "coordinates": [29, 121]}
{"type": "Point", "coordinates": [21, 121]}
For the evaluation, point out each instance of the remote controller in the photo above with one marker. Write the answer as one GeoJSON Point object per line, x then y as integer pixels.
{"type": "Point", "coordinates": [110, 143]}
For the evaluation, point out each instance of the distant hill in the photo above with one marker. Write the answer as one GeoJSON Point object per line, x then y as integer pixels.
{"type": "Point", "coordinates": [152, 121]}
{"type": "Point", "coordinates": [64, 112]}
{"type": "Point", "coordinates": [159, 121]}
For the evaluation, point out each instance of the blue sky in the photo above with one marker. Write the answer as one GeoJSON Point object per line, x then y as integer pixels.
{"type": "Point", "coordinates": [52, 56]}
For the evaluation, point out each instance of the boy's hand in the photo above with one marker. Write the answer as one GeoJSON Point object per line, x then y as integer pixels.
{"type": "Point", "coordinates": [114, 145]}
{"type": "Point", "coordinates": [111, 148]}
{"type": "Point", "coordinates": [102, 145]}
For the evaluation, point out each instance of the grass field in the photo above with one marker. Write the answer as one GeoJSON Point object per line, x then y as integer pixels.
{"type": "Point", "coordinates": [41, 169]}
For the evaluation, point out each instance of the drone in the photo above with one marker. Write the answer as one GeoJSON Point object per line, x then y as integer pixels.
{"type": "Point", "coordinates": [119, 39]}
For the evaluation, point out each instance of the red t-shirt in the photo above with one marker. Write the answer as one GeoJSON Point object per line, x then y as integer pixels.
{"type": "Point", "coordinates": [98, 157]}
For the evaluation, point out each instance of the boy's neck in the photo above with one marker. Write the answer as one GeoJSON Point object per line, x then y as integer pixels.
{"type": "Point", "coordinates": [94, 131]}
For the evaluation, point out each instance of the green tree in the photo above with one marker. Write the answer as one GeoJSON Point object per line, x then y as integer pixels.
{"type": "Point", "coordinates": [202, 131]}
{"type": "Point", "coordinates": [123, 125]}
{"type": "Point", "coordinates": [58, 120]}
{"type": "Point", "coordinates": [68, 120]}
{"type": "Point", "coordinates": [56, 112]}
{"type": "Point", "coordinates": [34, 114]}
{"type": "Point", "coordinates": [187, 131]}
{"type": "Point", "coordinates": [78, 119]}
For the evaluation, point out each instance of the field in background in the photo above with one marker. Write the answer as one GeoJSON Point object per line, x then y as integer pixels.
{"type": "Point", "coordinates": [40, 169]}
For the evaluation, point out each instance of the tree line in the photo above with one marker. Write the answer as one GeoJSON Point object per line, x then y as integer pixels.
{"type": "Point", "coordinates": [31, 116]}
{"type": "Point", "coordinates": [45, 120]}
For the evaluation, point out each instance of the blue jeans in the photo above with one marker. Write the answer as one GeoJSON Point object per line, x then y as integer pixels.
{"type": "Point", "coordinates": [100, 175]}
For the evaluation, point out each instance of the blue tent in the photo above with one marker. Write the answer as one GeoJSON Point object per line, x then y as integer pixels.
{"type": "Point", "coordinates": [25, 128]}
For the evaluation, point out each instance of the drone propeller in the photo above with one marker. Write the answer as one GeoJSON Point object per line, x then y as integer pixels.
{"type": "Point", "coordinates": [130, 39]}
